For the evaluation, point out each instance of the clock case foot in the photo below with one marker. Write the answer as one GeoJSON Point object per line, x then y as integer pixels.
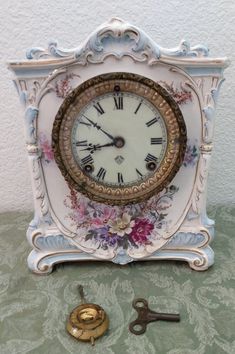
{"type": "Point", "coordinates": [198, 259]}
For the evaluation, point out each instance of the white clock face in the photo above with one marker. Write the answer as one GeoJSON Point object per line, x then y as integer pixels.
{"type": "Point", "coordinates": [119, 139]}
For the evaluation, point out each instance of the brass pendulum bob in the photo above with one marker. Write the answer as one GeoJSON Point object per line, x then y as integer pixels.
{"type": "Point", "coordinates": [87, 321]}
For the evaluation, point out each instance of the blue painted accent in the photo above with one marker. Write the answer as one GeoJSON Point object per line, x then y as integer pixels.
{"type": "Point", "coordinates": [53, 242]}
{"type": "Point", "coordinates": [215, 92]}
{"type": "Point", "coordinates": [209, 112]}
{"type": "Point", "coordinates": [34, 224]}
{"type": "Point", "coordinates": [30, 53]}
{"type": "Point", "coordinates": [23, 97]}
{"type": "Point", "coordinates": [122, 258]}
{"type": "Point", "coordinates": [36, 71]}
{"type": "Point", "coordinates": [39, 221]}
{"type": "Point", "coordinates": [203, 71]}
{"type": "Point", "coordinates": [30, 116]}
{"type": "Point", "coordinates": [189, 239]}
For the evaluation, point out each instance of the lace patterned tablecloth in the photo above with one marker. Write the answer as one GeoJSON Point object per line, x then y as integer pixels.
{"type": "Point", "coordinates": [34, 309]}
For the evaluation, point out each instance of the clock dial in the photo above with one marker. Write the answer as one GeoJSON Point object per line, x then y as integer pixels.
{"type": "Point", "coordinates": [108, 149]}
{"type": "Point", "coordinates": [119, 138]}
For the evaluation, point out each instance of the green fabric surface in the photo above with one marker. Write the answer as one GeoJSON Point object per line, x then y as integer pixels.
{"type": "Point", "coordinates": [34, 308]}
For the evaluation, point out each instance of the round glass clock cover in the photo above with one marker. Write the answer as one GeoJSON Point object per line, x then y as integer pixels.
{"type": "Point", "coordinates": [119, 138]}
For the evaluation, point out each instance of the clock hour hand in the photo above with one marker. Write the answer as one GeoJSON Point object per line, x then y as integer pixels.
{"type": "Point", "coordinates": [96, 147]}
{"type": "Point", "coordinates": [95, 125]}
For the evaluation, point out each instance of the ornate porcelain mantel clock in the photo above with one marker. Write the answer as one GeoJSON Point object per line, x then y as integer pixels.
{"type": "Point", "coordinates": [119, 139]}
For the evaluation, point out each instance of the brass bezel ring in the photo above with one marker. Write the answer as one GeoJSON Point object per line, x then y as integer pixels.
{"type": "Point", "coordinates": [90, 90]}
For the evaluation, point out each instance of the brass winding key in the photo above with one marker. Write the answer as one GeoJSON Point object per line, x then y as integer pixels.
{"type": "Point", "coordinates": [87, 321]}
{"type": "Point", "coordinates": [145, 316]}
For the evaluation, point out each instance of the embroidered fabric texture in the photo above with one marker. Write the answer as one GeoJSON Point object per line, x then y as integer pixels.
{"type": "Point", "coordinates": [34, 309]}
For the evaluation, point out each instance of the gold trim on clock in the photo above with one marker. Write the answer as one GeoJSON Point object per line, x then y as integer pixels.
{"type": "Point", "coordinates": [90, 90]}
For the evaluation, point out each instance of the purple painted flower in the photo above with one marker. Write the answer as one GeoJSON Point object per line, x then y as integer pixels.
{"type": "Point", "coordinates": [191, 155]}
{"type": "Point", "coordinates": [106, 214]}
{"type": "Point", "coordinates": [105, 238]}
{"type": "Point", "coordinates": [141, 230]}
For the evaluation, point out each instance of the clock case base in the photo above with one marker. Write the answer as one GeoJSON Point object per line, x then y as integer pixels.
{"type": "Point", "coordinates": [53, 249]}
{"type": "Point", "coordinates": [42, 263]}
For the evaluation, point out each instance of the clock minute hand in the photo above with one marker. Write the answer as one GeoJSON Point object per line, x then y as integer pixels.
{"type": "Point", "coordinates": [95, 125]}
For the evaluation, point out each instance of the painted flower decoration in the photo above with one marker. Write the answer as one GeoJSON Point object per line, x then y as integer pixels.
{"type": "Point", "coordinates": [107, 214]}
{"type": "Point", "coordinates": [122, 225]}
{"type": "Point", "coordinates": [141, 230]}
{"type": "Point", "coordinates": [63, 87]}
{"type": "Point", "coordinates": [191, 156]}
{"type": "Point", "coordinates": [181, 96]}
{"type": "Point", "coordinates": [46, 148]}
{"type": "Point", "coordinates": [103, 235]}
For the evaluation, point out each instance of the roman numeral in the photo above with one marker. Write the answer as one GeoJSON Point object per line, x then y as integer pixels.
{"type": "Point", "coordinates": [156, 141]}
{"type": "Point", "coordinates": [101, 174]}
{"type": "Point", "coordinates": [118, 100]}
{"type": "Point", "coordinates": [81, 143]}
{"type": "Point", "coordinates": [139, 173]}
{"type": "Point", "coordinates": [138, 107]}
{"type": "Point", "coordinates": [150, 157]}
{"type": "Point", "coordinates": [120, 178]}
{"type": "Point", "coordinates": [98, 107]}
{"type": "Point", "coordinates": [87, 160]}
{"type": "Point", "coordinates": [152, 121]}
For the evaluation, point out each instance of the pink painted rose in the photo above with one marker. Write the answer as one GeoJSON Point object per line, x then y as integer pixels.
{"type": "Point", "coordinates": [108, 214]}
{"type": "Point", "coordinates": [46, 148]}
{"type": "Point", "coordinates": [141, 230]}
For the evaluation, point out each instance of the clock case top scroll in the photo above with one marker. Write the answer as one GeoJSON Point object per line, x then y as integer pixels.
{"type": "Point", "coordinates": [78, 216]}
{"type": "Point", "coordinates": [93, 89]}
